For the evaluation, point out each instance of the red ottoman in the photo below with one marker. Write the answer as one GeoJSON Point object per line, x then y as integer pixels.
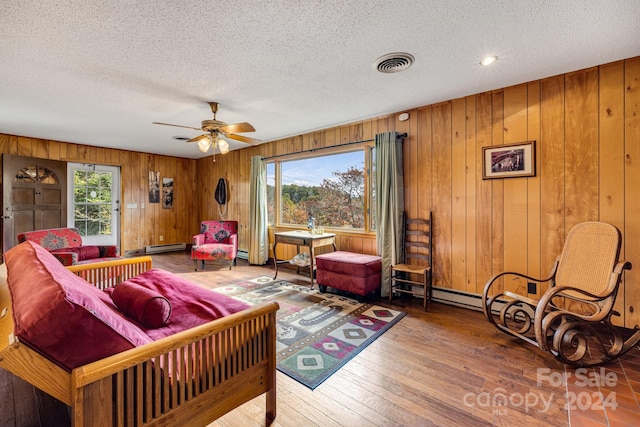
{"type": "Point", "coordinates": [350, 272]}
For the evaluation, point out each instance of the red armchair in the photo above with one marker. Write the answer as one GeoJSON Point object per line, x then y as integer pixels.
{"type": "Point", "coordinates": [218, 240]}
{"type": "Point", "coordinates": [66, 245]}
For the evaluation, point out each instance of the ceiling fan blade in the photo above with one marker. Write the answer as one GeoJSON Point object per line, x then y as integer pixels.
{"type": "Point", "coordinates": [178, 126]}
{"type": "Point", "coordinates": [241, 138]}
{"type": "Point", "coordinates": [198, 138]}
{"type": "Point", "coordinates": [237, 128]}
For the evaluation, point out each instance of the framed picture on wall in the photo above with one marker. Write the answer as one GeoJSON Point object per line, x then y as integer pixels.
{"type": "Point", "coordinates": [509, 160]}
{"type": "Point", "coordinates": [167, 193]}
{"type": "Point", "coordinates": [154, 187]}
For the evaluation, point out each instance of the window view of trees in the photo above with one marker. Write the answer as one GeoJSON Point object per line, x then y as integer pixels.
{"type": "Point", "coordinates": [329, 188]}
{"type": "Point", "coordinates": [92, 197]}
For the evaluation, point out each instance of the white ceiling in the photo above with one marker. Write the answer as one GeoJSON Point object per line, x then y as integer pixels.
{"type": "Point", "coordinates": [99, 72]}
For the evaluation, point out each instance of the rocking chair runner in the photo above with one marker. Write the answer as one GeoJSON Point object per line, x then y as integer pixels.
{"type": "Point", "coordinates": [572, 319]}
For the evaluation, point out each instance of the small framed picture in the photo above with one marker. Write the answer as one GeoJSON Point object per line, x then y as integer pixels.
{"type": "Point", "coordinates": [509, 160]}
{"type": "Point", "coordinates": [167, 193]}
{"type": "Point", "coordinates": [154, 187]}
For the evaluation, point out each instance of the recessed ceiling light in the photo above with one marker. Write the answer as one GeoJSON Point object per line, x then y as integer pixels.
{"type": "Point", "coordinates": [488, 60]}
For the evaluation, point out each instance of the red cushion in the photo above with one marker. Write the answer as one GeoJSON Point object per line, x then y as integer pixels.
{"type": "Point", "coordinates": [61, 315]}
{"type": "Point", "coordinates": [143, 305]}
{"type": "Point", "coordinates": [84, 252]}
{"type": "Point", "coordinates": [191, 305]}
{"type": "Point", "coordinates": [53, 238]}
{"type": "Point", "coordinates": [88, 252]}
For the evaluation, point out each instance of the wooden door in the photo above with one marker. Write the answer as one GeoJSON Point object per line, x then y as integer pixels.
{"type": "Point", "coordinates": [34, 196]}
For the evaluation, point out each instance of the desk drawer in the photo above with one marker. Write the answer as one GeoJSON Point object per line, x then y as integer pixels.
{"type": "Point", "coordinates": [293, 241]}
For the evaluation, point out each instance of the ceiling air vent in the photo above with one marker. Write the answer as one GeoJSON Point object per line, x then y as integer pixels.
{"type": "Point", "coordinates": [393, 62]}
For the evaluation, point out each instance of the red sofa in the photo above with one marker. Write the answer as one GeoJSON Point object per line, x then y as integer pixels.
{"type": "Point", "coordinates": [66, 245]}
{"type": "Point", "coordinates": [106, 356]}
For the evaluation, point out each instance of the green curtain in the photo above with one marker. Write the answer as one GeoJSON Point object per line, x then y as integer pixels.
{"type": "Point", "coordinates": [389, 202]}
{"type": "Point", "coordinates": [258, 235]}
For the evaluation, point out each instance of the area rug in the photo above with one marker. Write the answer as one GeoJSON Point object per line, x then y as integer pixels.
{"type": "Point", "coordinates": [317, 333]}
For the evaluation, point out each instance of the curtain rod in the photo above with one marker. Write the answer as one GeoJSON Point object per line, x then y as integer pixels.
{"type": "Point", "coordinates": [311, 150]}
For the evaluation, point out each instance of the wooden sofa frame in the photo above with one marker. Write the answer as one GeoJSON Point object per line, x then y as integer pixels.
{"type": "Point", "coordinates": [190, 378]}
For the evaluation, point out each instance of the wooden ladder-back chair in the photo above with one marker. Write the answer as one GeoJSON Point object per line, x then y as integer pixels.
{"type": "Point", "coordinates": [572, 319]}
{"type": "Point", "coordinates": [413, 275]}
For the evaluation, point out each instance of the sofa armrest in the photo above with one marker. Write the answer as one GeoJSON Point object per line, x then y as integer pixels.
{"type": "Point", "coordinates": [108, 251]}
{"type": "Point", "coordinates": [67, 258]}
{"type": "Point", "coordinates": [198, 240]}
{"type": "Point", "coordinates": [233, 240]}
{"type": "Point", "coordinates": [103, 274]}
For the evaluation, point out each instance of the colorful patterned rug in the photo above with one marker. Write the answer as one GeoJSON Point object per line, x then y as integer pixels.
{"type": "Point", "coordinates": [317, 333]}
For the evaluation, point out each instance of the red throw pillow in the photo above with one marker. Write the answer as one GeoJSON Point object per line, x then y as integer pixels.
{"type": "Point", "coordinates": [145, 306]}
{"type": "Point", "coordinates": [87, 252]}
{"type": "Point", "coordinates": [84, 252]}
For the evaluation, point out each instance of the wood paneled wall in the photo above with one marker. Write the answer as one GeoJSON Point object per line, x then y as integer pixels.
{"type": "Point", "coordinates": [142, 226]}
{"type": "Point", "coordinates": [587, 128]}
{"type": "Point", "coordinates": [586, 125]}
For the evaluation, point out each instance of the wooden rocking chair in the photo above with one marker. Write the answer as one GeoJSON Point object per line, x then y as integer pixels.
{"type": "Point", "coordinates": [572, 319]}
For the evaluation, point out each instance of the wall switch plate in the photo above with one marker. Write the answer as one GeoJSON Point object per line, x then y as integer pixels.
{"type": "Point", "coordinates": [532, 288]}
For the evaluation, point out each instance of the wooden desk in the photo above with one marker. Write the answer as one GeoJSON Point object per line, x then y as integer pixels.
{"type": "Point", "coordinates": [302, 238]}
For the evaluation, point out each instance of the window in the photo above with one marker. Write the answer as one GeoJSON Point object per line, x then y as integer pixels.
{"type": "Point", "coordinates": [334, 188]}
{"type": "Point", "coordinates": [94, 203]}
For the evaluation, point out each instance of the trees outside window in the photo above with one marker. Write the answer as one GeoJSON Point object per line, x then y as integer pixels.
{"type": "Point", "coordinates": [92, 207]}
{"type": "Point", "coordinates": [333, 188]}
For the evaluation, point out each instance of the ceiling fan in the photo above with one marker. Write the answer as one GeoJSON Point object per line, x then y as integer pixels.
{"type": "Point", "coordinates": [215, 131]}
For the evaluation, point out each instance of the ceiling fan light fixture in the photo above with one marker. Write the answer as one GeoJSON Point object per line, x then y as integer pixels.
{"type": "Point", "coordinates": [223, 146]}
{"type": "Point", "coordinates": [204, 144]}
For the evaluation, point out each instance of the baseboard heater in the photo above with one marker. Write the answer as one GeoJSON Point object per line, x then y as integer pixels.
{"type": "Point", "coordinates": [244, 255]}
{"type": "Point", "coordinates": [457, 298]}
{"type": "Point", "coordinates": [464, 299]}
{"type": "Point", "coordinates": [173, 247]}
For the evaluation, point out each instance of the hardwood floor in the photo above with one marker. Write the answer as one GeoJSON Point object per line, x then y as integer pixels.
{"type": "Point", "coordinates": [447, 367]}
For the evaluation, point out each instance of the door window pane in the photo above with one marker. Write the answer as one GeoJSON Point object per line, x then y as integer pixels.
{"type": "Point", "coordinates": [92, 207]}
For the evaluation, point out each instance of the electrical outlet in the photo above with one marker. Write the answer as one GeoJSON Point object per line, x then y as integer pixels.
{"type": "Point", "coordinates": [532, 288]}
{"type": "Point", "coordinates": [161, 238]}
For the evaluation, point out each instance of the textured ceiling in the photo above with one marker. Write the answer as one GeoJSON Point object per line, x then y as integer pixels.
{"type": "Point", "coordinates": [99, 72]}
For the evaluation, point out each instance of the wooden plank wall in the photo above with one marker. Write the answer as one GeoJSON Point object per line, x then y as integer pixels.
{"type": "Point", "coordinates": [139, 227]}
{"type": "Point", "coordinates": [586, 125]}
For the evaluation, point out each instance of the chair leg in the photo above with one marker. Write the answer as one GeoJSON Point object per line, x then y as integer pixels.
{"type": "Point", "coordinates": [230, 263]}
{"type": "Point", "coordinates": [203, 264]}
{"type": "Point", "coordinates": [427, 289]}
{"type": "Point", "coordinates": [390, 284]}
{"type": "Point", "coordinates": [195, 264]}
